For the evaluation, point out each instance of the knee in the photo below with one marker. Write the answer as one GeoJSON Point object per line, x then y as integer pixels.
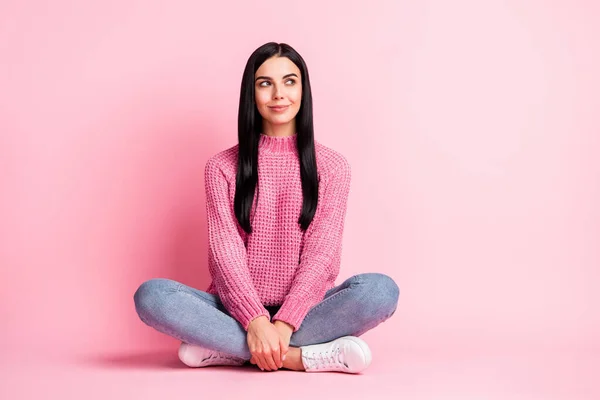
{"type": "Point", "coordinates": [150, 295]}
{"type": "Point", "coordinates": [381, 293]}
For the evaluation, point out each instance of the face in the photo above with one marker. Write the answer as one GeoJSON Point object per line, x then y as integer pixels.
{"type": "Point", "coordinates": [277, 83]}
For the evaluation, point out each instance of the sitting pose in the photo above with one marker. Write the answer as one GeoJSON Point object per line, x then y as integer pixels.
{"type": "Point", "coordinates": [276, 205]}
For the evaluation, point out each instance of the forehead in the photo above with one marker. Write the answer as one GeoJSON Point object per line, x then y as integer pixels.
{"type": "Point", "coordinates": [276, 67]}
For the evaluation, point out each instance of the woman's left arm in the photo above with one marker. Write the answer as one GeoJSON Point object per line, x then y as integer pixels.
{"type": "Point", "coordinates": [322, 244]}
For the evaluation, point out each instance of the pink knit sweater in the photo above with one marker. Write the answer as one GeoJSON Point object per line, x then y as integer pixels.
{"type": "Point", "coordinates": [278, 263]}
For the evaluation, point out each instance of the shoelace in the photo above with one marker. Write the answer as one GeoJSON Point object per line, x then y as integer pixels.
{"type": "Point", "coordinates": [321, 359]}
{"type": "Point", "coordinates": [218, 355]}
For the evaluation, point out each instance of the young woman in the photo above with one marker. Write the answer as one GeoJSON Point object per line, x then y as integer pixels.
{"type": "Point", "coordinates": [276, 204]}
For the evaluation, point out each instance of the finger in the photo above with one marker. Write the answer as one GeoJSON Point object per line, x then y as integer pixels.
{"type": "Point", "coordinates": [270, 359]}
{"type": "Point", "coordinates": [270, 363]}
{"type": "Point", "coordinates": [284, 346]}
{"type": "Point", "coordinates": [260, 359]}
{"type": "Point", "coordinates": [252, 348]}
{"type": "Point", "coordinates": [277, 357]}
{"type": "Point", "coordinates": [284, 350]}
{"type": "Point", "coordinates": [259, 363]}
{"type": "Point", "coordinates": [257, 359]}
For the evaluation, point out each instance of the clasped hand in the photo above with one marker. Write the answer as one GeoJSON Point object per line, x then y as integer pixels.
{"type": "Point", "coordinates": [268, 342]}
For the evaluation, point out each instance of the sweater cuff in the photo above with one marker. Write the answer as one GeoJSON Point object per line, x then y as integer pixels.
{"type": "Point", "coordinates": [293, 311]}
{"type": "Point", "coordinates": [248, 310]}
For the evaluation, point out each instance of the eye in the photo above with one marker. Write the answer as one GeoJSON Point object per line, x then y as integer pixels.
{"type": "Point", "coordinates": [269, 83]}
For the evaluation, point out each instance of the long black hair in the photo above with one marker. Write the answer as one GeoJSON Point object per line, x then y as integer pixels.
{"type": "Point", "coordinates": [250, 128]}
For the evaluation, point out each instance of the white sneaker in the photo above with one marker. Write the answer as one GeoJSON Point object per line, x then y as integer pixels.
{"type": "Point", "coordinates": [346, 354]}
{"type": "Point", "coordinates": [197, 356]}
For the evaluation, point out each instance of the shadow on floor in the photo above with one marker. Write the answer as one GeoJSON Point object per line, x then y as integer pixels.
{"type": "Point", "coordinates": [159, 359]}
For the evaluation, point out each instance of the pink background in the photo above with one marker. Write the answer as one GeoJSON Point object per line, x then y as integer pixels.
{"type": "Point", "coordinates": [472, 129]}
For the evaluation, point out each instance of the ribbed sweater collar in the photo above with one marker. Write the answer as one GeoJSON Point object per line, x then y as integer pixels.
{"type": "Point", "coordinates": [277, 144]}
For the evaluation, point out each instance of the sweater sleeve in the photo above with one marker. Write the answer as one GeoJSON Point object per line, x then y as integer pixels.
{"type": "Point", "coordinates": [228, 260]}
{"type": "Point", "coordinates": [323, 243]}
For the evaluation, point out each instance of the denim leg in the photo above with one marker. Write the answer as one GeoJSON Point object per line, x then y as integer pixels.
{"type": "Point", "coordinates": [359, 304]}
{"type": "Point", "coordinates": [190, 315]}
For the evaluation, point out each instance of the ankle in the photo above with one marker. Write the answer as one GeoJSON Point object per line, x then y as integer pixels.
{"type": "Point", "coordinates": [293, 359]}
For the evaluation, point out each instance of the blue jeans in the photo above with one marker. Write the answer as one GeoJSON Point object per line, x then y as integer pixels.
{"type": "Point", "coordinates": [193, 316]}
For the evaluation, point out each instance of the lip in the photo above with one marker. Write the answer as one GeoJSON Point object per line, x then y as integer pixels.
{"type": "Point", "coordinates": [279, 108]}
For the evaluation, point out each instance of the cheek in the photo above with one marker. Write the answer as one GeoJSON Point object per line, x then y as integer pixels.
{"type": "Point", "coordinates": [296, 96]}
{"type": "Point", "coordinates": [261, 99]}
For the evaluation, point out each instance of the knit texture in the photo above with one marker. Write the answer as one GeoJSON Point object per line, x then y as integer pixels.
{"type": "Point", "coordinates": [278, 263]}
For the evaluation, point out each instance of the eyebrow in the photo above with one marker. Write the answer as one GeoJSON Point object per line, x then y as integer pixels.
{"type": "Point", "coordinates": [269, 78]}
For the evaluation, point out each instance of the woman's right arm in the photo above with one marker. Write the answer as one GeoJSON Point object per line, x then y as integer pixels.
{"type": "Point", "coordinates": [228, 261]}
{"type": "Point", "coordinates": [228, 267]}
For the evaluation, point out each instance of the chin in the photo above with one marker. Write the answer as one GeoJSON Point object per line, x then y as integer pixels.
{"type": "Point", "coordinates": [277, 121]}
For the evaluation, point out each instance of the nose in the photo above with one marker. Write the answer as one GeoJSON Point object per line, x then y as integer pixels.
{"type": "Point", "coordinates": [277, 92]}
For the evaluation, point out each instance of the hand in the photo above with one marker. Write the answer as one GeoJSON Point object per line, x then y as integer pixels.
{"type": "Point", "coordinates": [285, 330]}
{"type": "Point", "coordinates": [264, 342]}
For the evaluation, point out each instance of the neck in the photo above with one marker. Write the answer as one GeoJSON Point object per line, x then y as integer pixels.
{"type": "Point", "coordinates": [281, 130]}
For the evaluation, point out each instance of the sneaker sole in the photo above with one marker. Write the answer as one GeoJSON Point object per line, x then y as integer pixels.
{"type": "Point", "coordinates": [183, 351]}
